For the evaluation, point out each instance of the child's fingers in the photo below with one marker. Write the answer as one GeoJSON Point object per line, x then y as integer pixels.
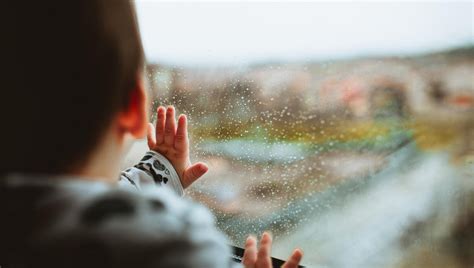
{"type": "Point", "coordinates": [250, 254]}
{"type": "Point", "coordinates": [194, 172]}
{"type": "Point", "coordinates": [160, 125]}
{"type": "Point", "coordinates": [150, 137]}
{"type": "Point", "coordinates": [263, 256]}
{"type": "Point", "coordinates": [170, 126]}
{"type": "Point", "coordinates": [181, 138]}
{"type": "Point", "coordinates": [294, 260]}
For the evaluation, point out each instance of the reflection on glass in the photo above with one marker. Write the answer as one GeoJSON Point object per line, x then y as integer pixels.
{"type": "Point", "coordinates": [361, 162]}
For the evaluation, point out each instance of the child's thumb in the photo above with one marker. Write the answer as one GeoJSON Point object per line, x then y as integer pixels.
{"type": "Point", "coordinates": [194, 172]}
{"type": "Point", "coordinates": [150, 137]}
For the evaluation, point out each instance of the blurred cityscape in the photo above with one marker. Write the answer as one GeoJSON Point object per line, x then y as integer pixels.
{"type": "Point", "coordinates": [292, 101]}
{"type": "Point", "coordinates": [364, 162]}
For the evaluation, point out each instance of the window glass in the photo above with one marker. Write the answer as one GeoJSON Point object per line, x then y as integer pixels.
{"type": "Point", "coordinates": [345, 129]}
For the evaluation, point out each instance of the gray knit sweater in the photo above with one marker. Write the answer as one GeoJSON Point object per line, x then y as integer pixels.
{"type": "Point", "coordinates": [72, 222]}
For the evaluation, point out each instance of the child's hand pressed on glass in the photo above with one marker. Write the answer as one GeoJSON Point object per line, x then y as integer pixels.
{"type": "Point", "coordinates": [171, 140]}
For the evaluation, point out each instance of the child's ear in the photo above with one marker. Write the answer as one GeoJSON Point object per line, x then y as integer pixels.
{"type": "Point", "coordinates": [133, 118]}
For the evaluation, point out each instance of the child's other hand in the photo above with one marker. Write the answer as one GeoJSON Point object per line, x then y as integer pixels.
{"type": "Point", "coordinates": [261, 257]}
{"type": "Point", "coordinates": [172, 142]}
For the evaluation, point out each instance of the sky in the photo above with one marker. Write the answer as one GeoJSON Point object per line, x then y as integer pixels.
{"type": "Point", "coordinates": [237, 33]}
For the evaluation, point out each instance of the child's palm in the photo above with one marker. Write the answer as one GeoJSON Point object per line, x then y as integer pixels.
{"type": "Point", "coordinates": [172, 142]}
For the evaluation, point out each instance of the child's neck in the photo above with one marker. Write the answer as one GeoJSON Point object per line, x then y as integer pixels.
{"type": "Point", "coordinates": [105, 160]}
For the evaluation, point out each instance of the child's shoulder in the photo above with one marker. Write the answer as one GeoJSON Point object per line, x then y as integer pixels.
{"type": "Point", "coordinates": [81, 217]}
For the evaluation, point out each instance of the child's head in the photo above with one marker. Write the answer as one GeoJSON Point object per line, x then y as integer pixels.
{"type": "Point", "coordinates": [71, 69]}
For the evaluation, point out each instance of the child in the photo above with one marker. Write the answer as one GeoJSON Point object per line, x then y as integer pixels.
{"type": "Point", "coordinates": [73, 98]}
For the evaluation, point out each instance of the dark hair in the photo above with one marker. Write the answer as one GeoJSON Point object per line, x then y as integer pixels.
{"type": "Point", "coordinates": [69, 66]}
